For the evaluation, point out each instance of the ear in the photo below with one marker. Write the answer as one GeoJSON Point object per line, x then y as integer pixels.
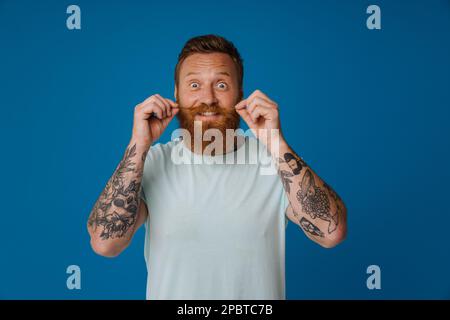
{"type": "Point", "coordinates": [175, 93]}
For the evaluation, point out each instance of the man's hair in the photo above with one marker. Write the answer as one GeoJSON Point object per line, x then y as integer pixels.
{"type": "Point", "coordinates": [208, 44]}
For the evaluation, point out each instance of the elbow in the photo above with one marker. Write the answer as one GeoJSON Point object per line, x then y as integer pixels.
{"type": "Point", "coordinates": [104, 249]}
{"type": "Point", "coordinates": [101, 247]}
{"type": "Point", "coordinates": [335, 238]}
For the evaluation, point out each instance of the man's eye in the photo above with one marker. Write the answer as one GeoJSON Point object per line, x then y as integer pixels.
{"type": "Point", "coordinates": [194, 85]}
{"type": "Point", "coordinates": [222, 85]}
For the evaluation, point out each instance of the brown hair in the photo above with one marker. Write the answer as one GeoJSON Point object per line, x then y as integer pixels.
{"type": "Point", "coordinates": [208, 44]}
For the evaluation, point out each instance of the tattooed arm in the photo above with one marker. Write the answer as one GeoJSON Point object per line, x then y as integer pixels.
{"type": "Point", "coordinates": [314, 206]}
{"type": "Point", "coordinates": [118, 212]}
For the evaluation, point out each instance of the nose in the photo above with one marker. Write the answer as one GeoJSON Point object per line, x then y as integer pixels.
{"type": "Point", "coordinates": [209, 96]}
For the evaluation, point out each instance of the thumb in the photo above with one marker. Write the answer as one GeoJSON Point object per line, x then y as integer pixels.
{"type": "Point", "coordinates": [246, 116]}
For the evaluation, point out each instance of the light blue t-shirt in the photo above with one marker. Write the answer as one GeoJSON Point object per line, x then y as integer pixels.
{"type": "Point", "coordinates": [215, 231]}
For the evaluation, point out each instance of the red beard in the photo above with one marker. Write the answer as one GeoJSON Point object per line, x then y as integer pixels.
{"type": "Point", "coordinates": [229, 119]}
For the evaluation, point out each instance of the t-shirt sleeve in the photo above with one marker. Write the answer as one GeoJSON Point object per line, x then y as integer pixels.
{"type": "Point", "coordinates": [143, 195]}
{"type": "Point", "coordinates": [151, 164]}
{"type": "Point", "coordinates": [284, 206]}
{"type": "Point", "coordinates": [147, 163]}
{"type": "Point", "coordinates": [284, 203]}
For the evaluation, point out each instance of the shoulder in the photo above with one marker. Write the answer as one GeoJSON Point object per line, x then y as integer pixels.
{"type": "Point", "coordinates": [160, 151]}
{"type": "Point", "coordinates": [158, 161]}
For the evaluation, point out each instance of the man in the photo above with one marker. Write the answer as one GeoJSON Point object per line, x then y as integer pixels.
{"type": "Point", "coordinates": [213, 230]}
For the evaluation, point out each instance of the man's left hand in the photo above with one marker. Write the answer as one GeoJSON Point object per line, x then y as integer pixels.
{"type": "Point", "coordinates": [260, 112]}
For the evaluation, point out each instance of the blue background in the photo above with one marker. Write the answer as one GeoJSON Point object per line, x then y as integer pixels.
{"type": "Point", "coordinates": [367, 109]}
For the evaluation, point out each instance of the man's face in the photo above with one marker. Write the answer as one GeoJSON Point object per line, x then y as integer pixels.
{"type": "Point", "coordinates": [207, 91]}
{"type": "Point", "coordinates": [292, 164]}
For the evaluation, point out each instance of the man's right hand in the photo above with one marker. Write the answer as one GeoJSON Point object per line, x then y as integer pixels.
{"type": "Point", "coordinates": [151, 118]}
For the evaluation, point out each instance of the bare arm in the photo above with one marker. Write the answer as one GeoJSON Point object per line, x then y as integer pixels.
{"type": "Point", "coordinates": [119, 211]}
{"type": "Point", "coordinates": [314, 205]}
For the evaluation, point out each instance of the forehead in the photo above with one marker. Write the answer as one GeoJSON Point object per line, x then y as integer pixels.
{"type": "Point", "coordinates": [207, 63]}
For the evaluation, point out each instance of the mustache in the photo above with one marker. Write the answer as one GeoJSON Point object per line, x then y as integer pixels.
{"type": "Point", "coordinates": [203, 107]}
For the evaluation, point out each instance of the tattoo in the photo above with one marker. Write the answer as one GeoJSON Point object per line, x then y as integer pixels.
{"type": "Point", "coordinates": [117, 207]}
{"type": "Point", "coordinates": [144, 155]}
{"type": "Point", "coordinates": [285, 175]}
{"type": "Point", "coordinates": [337, 200]}
{"type": "Point", "coordinates": [315, 201]}
{"type": "Point", "coordinates": [294, 162]}
{"type": "Point", "coordinates": [309, 227]}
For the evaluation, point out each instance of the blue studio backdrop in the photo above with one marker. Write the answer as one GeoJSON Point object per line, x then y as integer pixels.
{"type": "Point", "coordinates": [367, 109]}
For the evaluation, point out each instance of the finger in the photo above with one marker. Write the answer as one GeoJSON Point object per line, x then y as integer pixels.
{"type": "Point", "coordinates": [259, 93]}
{"type": "Point", "coordinates": [241, 104]}
{"type": "Point", "coordinates": [255, 113]}
{"type": "Point", "coordinates": [165, 121]}
{"type": "Point", "coordinates": [172, 106]}
{"type": "Point", "coordinates": [260, 101]}
{"type": "Point", "coordinates": [148, 99]}
{"type": "Point", "coordinates": [246, 116]}
{"type": "Point", "coordinates": [160, 107]}
{"type": "Point", "coordinates": [257, 101]}
{"type": "Point", "coordinates": [153, 108]}
{"type": "Point", "coordinates": [260, 111]}
{"type": "Point", "coordinates": [165, 104]}
{"type": "Point", "coordinates": [168, 107]}
{"type": "Point", "coordinates": [153, 100]}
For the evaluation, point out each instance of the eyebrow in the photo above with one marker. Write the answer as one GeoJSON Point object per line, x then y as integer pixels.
{"type": "Point", "coordinates": [221, 73]}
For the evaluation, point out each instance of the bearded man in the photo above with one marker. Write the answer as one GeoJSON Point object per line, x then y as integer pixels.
{"type": "Point", "coordinates": [214, 229]}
